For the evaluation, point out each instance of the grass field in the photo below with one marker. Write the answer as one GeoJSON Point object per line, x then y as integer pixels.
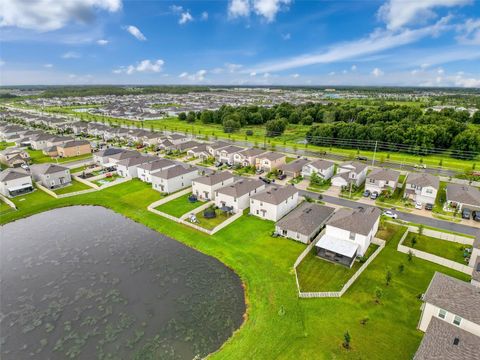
{"type": "Point", "coordinates": [278, 324]}
{"type": "Point", "coordinates": [446, 249]}
{"type": "Point", "coordinates": [4, 208]}
{"type": "Point", "coordinates": [4, 145]}
{"type": "Point", "coordinates": [75, 186]}
{"type": "Point", "coordinates": [212, 223]}
{"type": "Point", "coordinates": [179, 206]}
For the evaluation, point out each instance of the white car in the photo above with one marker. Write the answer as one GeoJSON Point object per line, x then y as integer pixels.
{"type": "Point", "coordinates": [418, 205]}
{"type": "Point", "coordinates": [24, 166]}
{"type": "Point", "coordinates": [390, 214]}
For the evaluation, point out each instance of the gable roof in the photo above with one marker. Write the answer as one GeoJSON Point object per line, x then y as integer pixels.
{"type": "Point", "coordinates": [156, 164]}
{"type": "Point", "coordinates": [464, 194]}
{"type": "Point", "coordinates": [173, 172]}
{"type": "Point", "coordinates": [272, 156]}
{"type": "Point", "coordinates": [384, 174]}
{"type": "Point", "coordinates": [356, 166]}
{"type": "Point", "coordinates": [241, 188]}
{"type": "Point", "coordinates": [74, 143]}
{"type": "Point", "coordinates": [214, 178]}
{"type": "Point", "coordinates": [306, 218]}
{"type": "Point", "coordinates": [455, 296]}
{"type": "Point", "coordinates": [12, 174]}
{"type": "Point", "coordinates": [276, 195]}
{"type": "Point", "coordinates": [109, 152]}
{"type": "Point", "coordinates": [294, 166]}
{"type": "Point", "coordinates": [44, 169]}
{"type": "Point", "coordinates": [360, 220]}
{"type": "Point", "coordinates": [231, 149]}
{"type": "Point", "coordinates": [136, 160]}
{"type": "Point", "coordinates": [321, 164]}
{"type": "Point", "coordinates": [423, 179]}
{"type": "Point", "coordinates": [251, 152]}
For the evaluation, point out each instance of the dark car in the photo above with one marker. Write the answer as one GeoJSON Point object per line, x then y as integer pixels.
{"type": "Point", "coordinates": [218, 164]}
{"type": "Point", "coordinates": [466, 213]}
{"type": "Point", "coordinates": [362, 158]}
{"type": "Point", "coordinates": [265, 180]}
{"type": "Point", "coordinates": [281, 176]}
{"type": "Point", "coordinates": [476, 215]}
{"type": "Point", "coordinates": [429, 207]}
{"type": "Point", "coordinates": [366, 193]}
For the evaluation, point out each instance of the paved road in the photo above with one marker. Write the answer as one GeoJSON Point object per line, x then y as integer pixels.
{"type": "Point", "coordinates": [440, 224]}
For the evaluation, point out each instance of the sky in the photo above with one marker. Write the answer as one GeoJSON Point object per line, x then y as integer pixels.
{"type": "Point", "coordinates": [241, 42]}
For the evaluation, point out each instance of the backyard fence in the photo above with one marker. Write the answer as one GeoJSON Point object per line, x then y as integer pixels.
{"type": "Point", "coordinates": [8, 202]}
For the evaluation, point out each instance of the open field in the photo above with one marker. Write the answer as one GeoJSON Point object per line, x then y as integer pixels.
{"type": "Point", "coordinates": [314, 327]}
{"type": "Point", "coordinates": [446, 249]}
{"type": "Point", "coordinates": [179, 206]}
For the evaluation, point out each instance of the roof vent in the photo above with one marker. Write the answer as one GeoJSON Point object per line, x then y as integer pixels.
{"type": "Point", "coordinates": [456, 341]}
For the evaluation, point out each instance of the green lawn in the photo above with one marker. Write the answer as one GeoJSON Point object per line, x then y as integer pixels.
{"type": "Point", "coordinates": [355, 194]}
{"type": "Point", "coordinates": [73, 187]}
{"type": "Point", "coordinates": [38, 157]}
{"type": "Point", "coordinates": [4, 208]}
{"type": "Point", "coordinates": [179, 206]}
{"type": "Point", "coordinates": [4, 145]}
{"type": "Point", "coordinates": [105, 180]}
{"type": "Point", "coordinates": [278, 324]}
{"type": "Point", "coordinates": [316, 274]}
{"type": "Point", "coordinates": [446, 249]}
{"type": "Point", "coordinates": [210, 224]}
{"type": "Point", "coordinates": [319, 188]}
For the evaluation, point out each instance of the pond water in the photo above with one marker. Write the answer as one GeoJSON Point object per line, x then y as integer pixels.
{"type": "Point", "coordinates": [86, 283]}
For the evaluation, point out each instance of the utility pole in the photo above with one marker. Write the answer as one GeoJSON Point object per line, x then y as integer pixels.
{"type": "Point", "coordinates": [351, 184]}
{"type": "Point", "coordinates": [374, 153]}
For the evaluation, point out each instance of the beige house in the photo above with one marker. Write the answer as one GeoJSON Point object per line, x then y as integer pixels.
{"type": "Point", "coordinates": [270, 161]}
{"type": "Point", "coordinates": [74, 148]}
{"type": "Point", "coordinates": [294, 168]}
{"type": "Point", "coordinates": [382, 179]}
{"type": "Point", "coordinates": [247, 157]}
{"type": "Point", "coordinates": [204, 187]}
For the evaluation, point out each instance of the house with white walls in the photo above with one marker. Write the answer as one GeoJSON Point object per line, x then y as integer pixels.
{"type": "Point", "coordinates": [214, 147]}
{"type": "Point", "coordinates": [14, 182]}
{"type": "Point", "coordinates": [51, 175]}
{"type": "Point", "coordinates": [146, 170]}
{"type": "Point", "coordinates": [352, 172]}
{"type": "Point", "coordinates": [129, 167]}
{"type": "Point", "coordinates": [379, 180]}
{"type": "Point", "coordinates": [226, 154]}
{"type": "Point", "coordinates": [463, 196]}
{"type": "Point", "coordinates": [348, 234]}
{"type": "Point", "coordinates": [173, 178]}
{"type": "Point", "coordinates": [422, 187]}
{"type": "Point", "coordinates": [274, 203]}
{"type": "Point", "coordinates": [247, 157]}
{"type": "Point", "coordinates": [204, 187]}
{"type": "Point", "coordinates": [270, 161]}
{"type": "Point", "coordinates": [236, 197]}
{"type": "Point", "coordinates": [323, 168]}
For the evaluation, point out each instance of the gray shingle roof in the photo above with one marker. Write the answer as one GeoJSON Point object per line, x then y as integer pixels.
{"type": "Point", "coordinates": [276, 195]}
{"type": "Point", "coordinates": [241, 188]}
{"type": "Point", "coordinates": [438, 343]}
{"type": "Point", "coordinates": [214, 179]}
{"type": "Point", "coordinates": [464, 194]}
{"type": "Point", "coordinates": [358, 167]}
{"type": "Point", "coordinates": [12, 174]}
{"type": "Point", "coordinates": [231, 149]}
{"type": "Point", "coordinates": [272, 156]}
{"type": "Point", "coordinates": [156, 164]}
{"type": "Point", "coordinates": [384, 174]}
{"type": "Point", "coordinates": [109, 152]}
{"type": "Point", "coordinates": [74, 143]}
{"type": "Point", "coordinates": [173, 172]}
{"type": "Point", "coordinates": [252, 152]}
{"type": "Point", "coordinates": [455, 296]}
{"type": "Point", "coordinates": [44, 169]}
{"type": "Point", "coordinates": [136, 160]}
{"type": "Point", "coordinates": [322, 164]}
{"type": "Point", "coordinates": [294, 166]}
{"type": "Point", "coordinates": [423, 179]}
{"type": "Point", "coordinates": [360, 220]}
{"type": "Point", "coordinates": [306, 218]}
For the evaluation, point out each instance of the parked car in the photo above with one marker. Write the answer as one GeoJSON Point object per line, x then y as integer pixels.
{"type": "Point", "coordinates": [24, 166]}
{"type": "Point", "coordinates": [420, 166]}
{"type": "Point", "coordinates": [259, 171]}
{"type": "Point", "coordinates": [390, 214]}
{"type": "Point", "coordinates": [476, 215]}
{"type": "Point", "coordinates": [281, 176]}
{"type": "Point", "coordinates": [218, 164]}
{"type": "Point", "coordinates": [374, 195]}
{"type": "Point", "coordinates": [366, 193]}
{"type": "Point", "coordinates": [265, 180]}
{"type": "Point", "coordinates": [418, 205]}
{"type": "Point", "coordinates": [466, 213]}
{"type": "Point", "coordinates": [362, 158]}
{"type": "Point", "coordinates": [429, 207]}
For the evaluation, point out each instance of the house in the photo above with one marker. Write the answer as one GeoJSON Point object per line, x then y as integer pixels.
{"type": "Point", "coordinates": [463, 196]}
{"type": "Point", "coordinates": [39, 142]}
{"type": "Point", "coordinates": [323, 168]}
{"type": "Point", "coordinates": [152, 138]}
{"type": "Point", "coordinates": [15, 182]}
{"type": "Point", "coordinates": [102, 157]}
{"type": "Point", "coordinates": [422, 187]}
{"type": "Point", "coordinates": [173, 178]}
{"type": "Point", "coordinates": [199, 151]}
{"type": "Point", "coordinates": [274, 203]}
{"type": "Point", "coordinates": [204, 187]}
{"type": "Point", "coordinates": [114, 159]}
{"type": "Point", "coordinates": [293, 168]}
{"type": "Point", "coordinates": [212, 148]}
{"type": "Point", "coordinates": [380, 180]}
{"type": "Point", "coordinates": [176, 139]}
{"type": "Point", "coordinates": [146, 170]}
{"type": "Point", "coordinates": [236, 197]}
{"type": "Point", "coordinates": [13, 157]}
{"type": "Point", "coordinates": [247, 157]}
{"type": "Point", "coordinates": [74, 148]}
{"type": "Point", "coordinates": [450, 320]}
{"type": "Point", "coordinates": [270, 161]}
{"type": "Point", "coordinates": [226, 154]}
{"type": "Point", "coordinates": [350, 173]}
{"type": "Point", "coordinates": [475, 261]}
{"type": "Point", "coordinates": [51, 175]}
{"type": "Point", "coordinates": [184, 146]}
{"type": "Point", "coordinates": [348, 234]}
{"type": "Point", "coordinates": [128, 167]}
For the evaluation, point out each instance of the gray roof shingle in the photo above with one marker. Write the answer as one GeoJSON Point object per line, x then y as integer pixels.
{"type": "Point", "coordinates": [360, 220]}
{"type": "Point", "coordinates": [463, 194]}
{"type": "Point", "coordinates": [276, 195]}
{"type": "Point", "coordinates": [241, 188]}
{"type": "Point", "coordinates": [214, 178]}
{"type": "Point", "coordinates": [306, 218]}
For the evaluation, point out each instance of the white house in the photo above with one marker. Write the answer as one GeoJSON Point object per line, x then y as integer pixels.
{"type": "Point", "coordinates": [129, 167]}
{"type": "Point", "coordinates": [274, 203]}
{"type": "Point", "coordinates": [199, 151]}
{"type": "Point", "coordinates": [450, 320]}
{"type": "Point", "coordinates": [382, 179]}
{"type": "Point", "coordinates": [236, 197]}
{"type": "Point", "coordinates": [348, 234]}
{"type": "Point", "coordinates": [323, 168]}
{"type": "Point", "coordinates": [350, 173]}
{"type": "Point", "coordinates": [102, 157]}
{"type": "Point", "coordinates": [422, 187]}
{"type": "Point", "coordinates": [146, 170]}
{"type": "Point", "coordinates": [51, 175]}
{"type": "Point", "coordinates": [213, 148]}
{"type": "Point", "coordinates": [226, 154]}
{"type": "Point", "coordinates": [114, 159]}
{"type": "Point", "coordinates": [304, 223]}
{"type": "Point", "coordinates": [270, 161]}
{"type": "Point", "coordinates": [15, 182]}
{"type": "Point", "coordinates": [173, 178]}
{"type": "Point", "coordinates": [247, 157]}
{"type": "Point", "coordinates": [204, 187]}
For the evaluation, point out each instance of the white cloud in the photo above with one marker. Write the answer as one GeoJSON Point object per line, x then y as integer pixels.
{"type": "Point", "coordinates": [269, 8]}
{"type": "Point", "coordinates": [377, 72]}
{"type": "Point", "coordinates": [71, 55]}
{"type": "Point", "coordinates": [185, 17]}
{"type": "Point", "coordinates": [295, 76]}
{"type": "Point", "coordinates": [399, 13]}
{"type": "Point", "coordinates": [440, 71]}
{"type": "Point", "coordinates": [176, 8]}
{"type": "Point", "coordinates": [469, 32]}
{"type": "Point", "coordinates": [376, 42]}
{"type": "Point", "coordinates": [354, 67]}
{"type": "Point", "coordinates": [204, 16]}
{"type": "Point", "coordinates": [467, 82]}
{"type": "Point", "coordinates": [144, 66]}
{"type": "Point", "coordinates": [48, 15]}
{"type": "Point", "coordinates": [2, 62]}
{"type": "Point", "coordinates": [102, 42]}
{"type": "Point", "coordinates": [233, 67]}
{"type": "Point", "coordinates": [332, 73]}
{"type": "Point", "coordinates": [238, 8]}
{"type": "Point", "coordinates": [198, 76]}
{"type": "Point", "coordinates": [134, 31]}
{"type": "Point", "coordinates": [266, 75]}
{"type": "Point", "coordinates": [183, 75]}
{"type": "Point", "coordinates": [253, 73]}
{"type": "Point", "coordinates": [48, 66]}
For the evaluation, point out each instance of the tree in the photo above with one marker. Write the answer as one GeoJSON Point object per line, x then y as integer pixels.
{"type": "Point", "coordinates": [276, 127]}
{"type": "Point", "coordinates": [182, 116]}
{"type": "Point", "coordinates": [378, 294]}
{"type": "Point", "coordinates": [476, 117]}
{"type": "Point", "coordinates": [414, 241]}
{"type": "Point", "coordinates": [346, 340]}
{"type": "Point", "coordinates": [410, 255]}
{"type": "Point", "coordinates": [230, 125]}
{"type": "Point", "coordinates": [206, 117]}
{"type": "Point", "coordinates": [191, 117]}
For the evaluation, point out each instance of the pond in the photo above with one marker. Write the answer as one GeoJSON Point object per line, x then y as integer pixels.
{"type": "Point", "coordinates": [86, 283]}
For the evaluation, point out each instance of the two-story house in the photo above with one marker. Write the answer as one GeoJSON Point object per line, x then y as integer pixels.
{"type": "Point", "coordinates": [323, 168]}
{"type": "Point", "coordinates": [236, 197]}
{"type": "Point", "coordinates": [173, 178]}
{"type": "Point", "coordinates": [204, 187]}
{"type": "Point", "coordinates": [380, 180]}
{"type": "Point", "coordinates": [270, 161]}
{"type": "Point", "coordinates": [422, 188]}
{"type": "Point", "coordinates": [293, 168]}
{"type": "Point", "coordinates": [14, 182]}
{"type": "Point", "coordinates": [145, 171]}
{"type": "Point", "coordinates": [274, 203]}
{"type": "Point", "coordinates": [247, 157]}
{"type": "Point", "coordinates": [51, 175]}
{"type": "Point", "coordinates": [226, 154]}
{"type": "Point", "coordinates": [352, 172]}
{"type": "Point", "coordinates": [463, 196]}
{"type": "Point", "coordinates": [129, 167]}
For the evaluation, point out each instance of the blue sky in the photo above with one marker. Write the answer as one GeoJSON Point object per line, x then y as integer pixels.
{"type": "Point", "coordinates": [257, 42]}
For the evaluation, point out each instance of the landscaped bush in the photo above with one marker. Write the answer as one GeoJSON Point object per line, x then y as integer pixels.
{"type": "Point", "coordinates": [209, 213]}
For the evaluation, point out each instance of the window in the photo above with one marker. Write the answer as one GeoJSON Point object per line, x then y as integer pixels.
{"type": "Point", "coordinates": [442, 314]}
{"type": "Point", "coordinates": [457, 320]}
{"type": "Point", "coordinates": [429, 191]}
{"type": "Point", "coordinates": [352, 236]}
